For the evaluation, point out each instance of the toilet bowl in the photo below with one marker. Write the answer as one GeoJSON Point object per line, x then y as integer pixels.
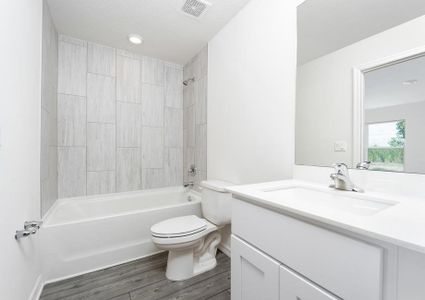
{"type": "Point", "coordinates": [192, 241]}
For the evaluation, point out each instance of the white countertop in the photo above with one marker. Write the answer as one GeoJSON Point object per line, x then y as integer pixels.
{"type": "Point", "coordinates": [402, 224]}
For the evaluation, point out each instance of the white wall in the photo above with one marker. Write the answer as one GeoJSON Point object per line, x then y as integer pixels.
{"type": "Point", "coordinates": [413, 113]}
{"type": "Point", "coordinates": [20, 105]}
{"type": "Point", "coordinates": [324, 92]}
{"type": "Point", "coordinates": [251, 94]}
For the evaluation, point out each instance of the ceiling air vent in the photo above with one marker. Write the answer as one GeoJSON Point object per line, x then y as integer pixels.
{"type": "Point", "coordinates": [195, 8]}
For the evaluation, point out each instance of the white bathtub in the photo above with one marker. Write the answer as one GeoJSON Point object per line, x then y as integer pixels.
{"type": "Point", "coordinates": [88, 233]}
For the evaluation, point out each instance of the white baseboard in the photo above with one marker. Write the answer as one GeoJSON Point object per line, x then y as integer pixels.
{"type": "Point", "coordinates": [38, 288]}
{"type": "Point", "coordinates": [225, 249]}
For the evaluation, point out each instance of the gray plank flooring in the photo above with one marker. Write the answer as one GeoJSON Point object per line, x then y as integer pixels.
{"type": "Point", "coordinates": [143, 279]}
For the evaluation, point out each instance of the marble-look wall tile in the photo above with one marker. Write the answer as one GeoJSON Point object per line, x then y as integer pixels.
{"type": "Point", "coordinates": [100, 147]}
{"type": "Point", "coordinates": [173, 117]}
{"type": "Point", "coordinates": [203, 61]}
{"type": "Point", "coordinates": [201, 101]}
{"type": "Point", "coordinates": [152, 105]}
{"type": "Point", "coordinates": [128, 169]}
{"type": "Point", "coordinates": [153, 148]}
{"type": "Point", "coordinates": [72, 40]}
{"type": "Point", "coordinates": [100, 98]}
{"type": "Point", "coordinates": [101, 59]}
{"type": "Point", "coordinates": [188, 71]}
{"type": "Point", "coordinates": [53, 175]}
{"type": "Point", "coordinates": [49, 124]}
{"type": "Point", "coordinates": [129, 124]}
{"type": "Point", "coordinates": [153, 71]}
{"type": "Point", "coordinates": [48, 193]}
{"type": "Point", "coordinates": [100, 182]}
{"type": "Point", "coordinates": [173, 78]}
{"type": "Point", "coordinates": [173, 87]}
{"type": "Point", "coordinates": [174, 98]}
{"type": "Point", "coordinates": [200, 176]}
{"type": "Point", "coordinates": [200, 64]}
{"type": "Point", "coordinates": [53, 128]}
{"type": "Point", "coordinates": [72, 69]}
{"type": "Point", "coordinates": [201, 147]}
{"type": "Point", "coordinates": [71, 171]}
{"type": "Point", "coordinates": [49, 84]}
{"type": "Point", "coordinates": [174, 166]}
{"type": "Point", "coordinates": [71, 120]}
{"type": "Point", "coordinates": [44, 149]}
{"type": "Point", "coordinates": [173, 127]}
{"type": "Point", "coordinates": [196, 66]}
{"type": "Point", "coordinates": [153, 178]}
{"type": "Point", "coordinates": [125, 53]}
{"type": "Point", "coordinates": [195, 116]}
{"type": "Point", "coordinates": [188, 95]}
{"type": "Point", "coordinates": [128, 79]}
{"type": "Point", "coordinates": [132, 104]}
{"type": "Point", "coordinates": [188, 160]}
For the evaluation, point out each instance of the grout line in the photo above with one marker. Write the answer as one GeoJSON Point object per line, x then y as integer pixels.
{"type": "Point", "coordinates": [99, 74]}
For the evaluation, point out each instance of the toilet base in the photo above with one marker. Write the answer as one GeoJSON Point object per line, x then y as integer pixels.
{"type": "Point", "coordinates": [183, 264]}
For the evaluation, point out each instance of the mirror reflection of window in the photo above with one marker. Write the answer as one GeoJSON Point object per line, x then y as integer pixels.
{"type": "Point", "coordinates": [386, 143]}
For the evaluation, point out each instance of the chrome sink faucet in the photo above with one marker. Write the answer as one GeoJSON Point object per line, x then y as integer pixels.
{"type": "Point", "coordinates": [342, 179]}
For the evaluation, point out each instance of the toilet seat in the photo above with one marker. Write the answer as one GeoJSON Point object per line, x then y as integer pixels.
{"type": "Point", "coordinates": [181, 231]}
{"type": "Point", "coordinates": [179, 227]}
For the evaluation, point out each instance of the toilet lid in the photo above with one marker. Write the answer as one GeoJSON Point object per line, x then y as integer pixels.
{"type": "Point", "coordinates": [180, 226]}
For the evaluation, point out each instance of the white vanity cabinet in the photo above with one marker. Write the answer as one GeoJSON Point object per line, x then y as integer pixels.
{"type": "Point", "coordinates": [258, 276]}
{"type": "Point", "coordinates": [279, 257]}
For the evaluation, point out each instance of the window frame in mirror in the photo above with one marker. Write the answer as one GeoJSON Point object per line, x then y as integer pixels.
{"type": "Point", "coordinates": [359, 95]}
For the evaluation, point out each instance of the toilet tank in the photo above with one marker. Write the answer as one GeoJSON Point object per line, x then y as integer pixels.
{"type": "Point", "coordinates": [216, 202]}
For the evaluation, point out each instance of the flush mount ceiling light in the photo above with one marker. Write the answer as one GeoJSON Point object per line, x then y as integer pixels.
{"type": "Point", "coordinates": [135, 39]}
{"type": "Point", "coordinates": [410, 82]}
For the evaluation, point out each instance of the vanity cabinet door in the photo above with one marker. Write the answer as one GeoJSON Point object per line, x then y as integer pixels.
{"type": "Point", "coordinates": [295, 287]}
{"type": "Point", "coordinates": [254, 274]}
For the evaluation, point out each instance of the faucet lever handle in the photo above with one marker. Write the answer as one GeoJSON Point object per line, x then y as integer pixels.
{"type": "Point", "coordinates": [341, 168]}
{"type": "Point", "coordinates": [28, 225]}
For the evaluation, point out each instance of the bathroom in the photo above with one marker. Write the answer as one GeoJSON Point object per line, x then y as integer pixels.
{"type": "Point", "coordinates": [193, 149]}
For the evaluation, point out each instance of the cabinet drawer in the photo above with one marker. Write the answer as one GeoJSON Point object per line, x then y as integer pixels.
{"type": "Point", "coordinates": [348, 268]}
{"type": "Point", "coordinates": [295, 287]}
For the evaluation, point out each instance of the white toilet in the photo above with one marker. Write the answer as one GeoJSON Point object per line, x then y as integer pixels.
{"type": "Point", "coordinates": [192, 241]}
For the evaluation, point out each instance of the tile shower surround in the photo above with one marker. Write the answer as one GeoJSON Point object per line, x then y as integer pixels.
{"type": "Point", "coordinates": [120, 120]}
{"type": "Point", "coordinates": [195, 116]}
{"type": "Point", "coordinates": [49, 85]}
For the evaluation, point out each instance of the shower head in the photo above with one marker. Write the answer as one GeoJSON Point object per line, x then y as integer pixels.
{"type": "Point", "coordinates": [187, 81]}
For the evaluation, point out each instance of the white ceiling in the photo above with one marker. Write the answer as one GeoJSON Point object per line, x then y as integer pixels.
{"type": "Point", "coordinates": [325, 26]}
{"type": "Point", "coordinates": [384, 87]}
{"type": "Point", "coordinates": [168, 33]}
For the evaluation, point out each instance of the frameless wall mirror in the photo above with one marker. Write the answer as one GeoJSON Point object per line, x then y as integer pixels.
{"type": "Point", "coordinates": [361, 84]}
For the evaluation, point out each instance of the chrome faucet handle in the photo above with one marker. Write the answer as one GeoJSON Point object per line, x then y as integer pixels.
{"type": "Point", "coordinates": [364, 165]}
{"type": "Point", "coordinates": [341, 168]}
{"type": "Point", "coordinates": [192, 170]}
{"type": "Point", "coordinates": [28, 225]}
{"type": "Point", "coordinates": [189, 184]}
{"type": "Point", "coordinates": [24, 233]}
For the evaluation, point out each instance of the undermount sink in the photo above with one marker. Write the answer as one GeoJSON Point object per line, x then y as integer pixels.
{"type": "Point", "coordinates": [306, 198]}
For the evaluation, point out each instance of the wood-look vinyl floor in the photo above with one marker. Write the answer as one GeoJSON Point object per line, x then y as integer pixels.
{"type": "Point", "coordinates": [143, 279]}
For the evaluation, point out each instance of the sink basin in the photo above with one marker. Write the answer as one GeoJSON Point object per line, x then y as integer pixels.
{"type": "Point", "coordinates": [308, 199]}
